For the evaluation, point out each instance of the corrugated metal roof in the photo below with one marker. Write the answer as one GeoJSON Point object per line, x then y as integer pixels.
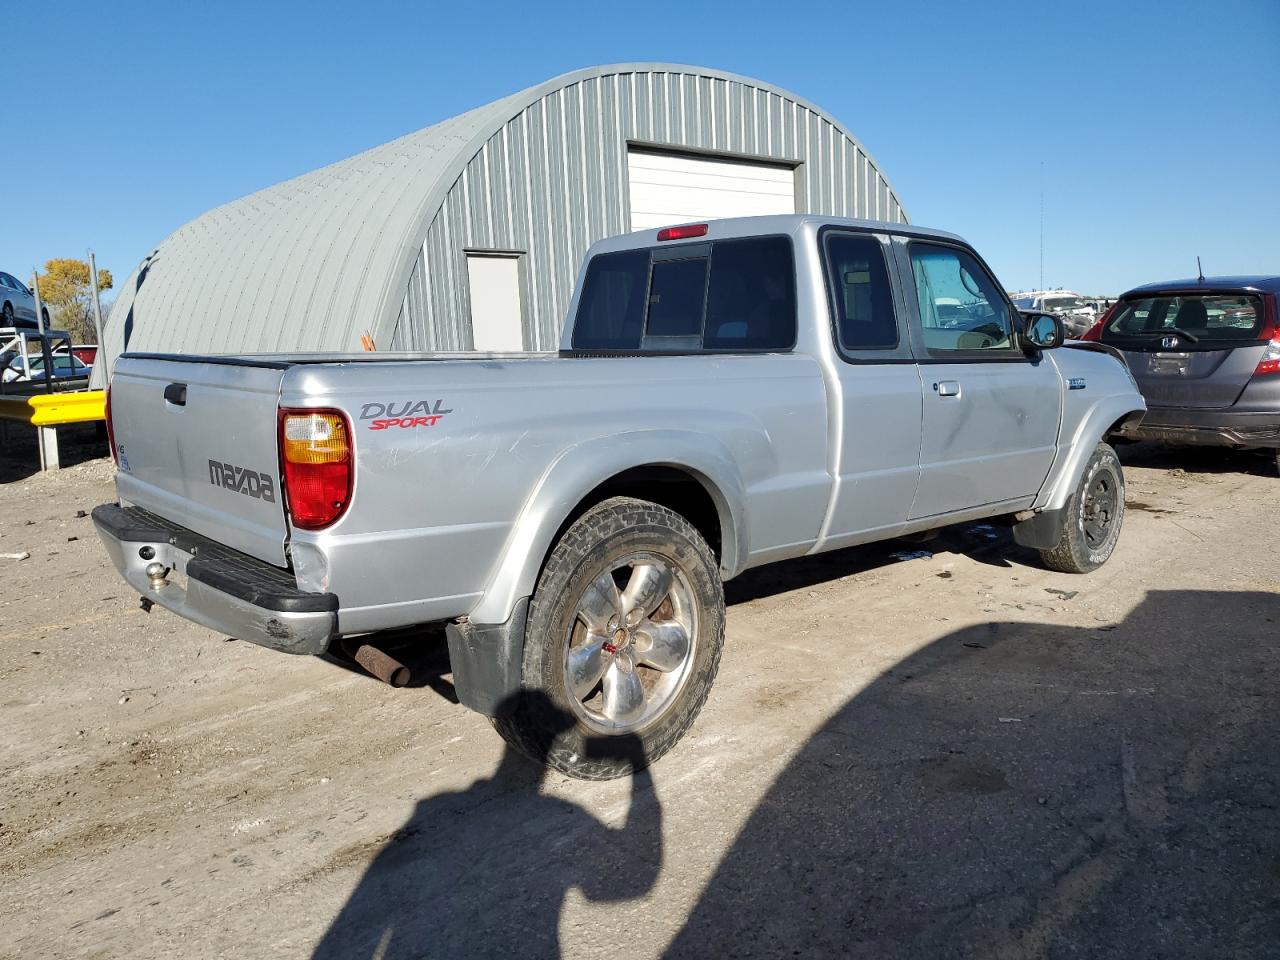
{"type": "Point", "coordinates": [311, 263]}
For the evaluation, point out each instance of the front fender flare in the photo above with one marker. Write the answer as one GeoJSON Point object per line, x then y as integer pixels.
{"type": "Point", "coordinates": [581, 469]}
{"type": "Point", "coordinates": [1092, 428]}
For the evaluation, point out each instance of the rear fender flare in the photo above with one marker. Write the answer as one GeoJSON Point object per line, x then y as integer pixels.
{"type": "Point", "coordinates": [580, 470]}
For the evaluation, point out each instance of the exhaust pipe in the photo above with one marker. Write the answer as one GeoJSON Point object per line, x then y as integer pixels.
{"type": "Point", "coordinates": [379, 663]}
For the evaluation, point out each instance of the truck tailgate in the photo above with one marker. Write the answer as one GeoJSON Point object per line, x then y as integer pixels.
{"type": "Point", "coordinates": [196, 440]}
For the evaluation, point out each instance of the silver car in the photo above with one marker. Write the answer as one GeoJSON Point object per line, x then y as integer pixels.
{"type": "Point", "coordinates": [18, 304]}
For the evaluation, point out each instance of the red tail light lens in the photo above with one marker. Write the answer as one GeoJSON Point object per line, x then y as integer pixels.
{"type": "Point", "coordinates": [316, 460]}
{"type": "Point", "coordinates": [111, 434]}
{"type": "Point", "coordinates": [1270, 362]}
{"type": "Point", "coordinates": [683, 233]}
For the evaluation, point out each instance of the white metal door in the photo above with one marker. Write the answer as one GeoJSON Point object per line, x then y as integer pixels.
{"type": "Point", "coordinates": [497, 321]}
{"type": "Point", "coordinates": [673, 188]}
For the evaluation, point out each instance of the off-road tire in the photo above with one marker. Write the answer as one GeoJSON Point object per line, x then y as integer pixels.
{"type": "Point", "coordinates": [544, 728]}
{"type": "Point", "coordinates": [1073, 553]}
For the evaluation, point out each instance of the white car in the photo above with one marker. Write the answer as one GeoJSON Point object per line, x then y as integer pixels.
{"type": "Point", "coordinates": [18, 304]}
{"type": "Point", "coordinates": [1077, 314]}
{"type": "Point", "coordinates": [64, 367]}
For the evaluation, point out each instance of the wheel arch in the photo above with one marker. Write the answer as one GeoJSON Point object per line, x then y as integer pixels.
{"type": "Point", "coordinates": [1104, 418]}
{"type": "Point", "coordinates": [693, 474]}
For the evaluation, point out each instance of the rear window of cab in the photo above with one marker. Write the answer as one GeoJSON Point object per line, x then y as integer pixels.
{"type": "Point", "coordinates": [721, 296]}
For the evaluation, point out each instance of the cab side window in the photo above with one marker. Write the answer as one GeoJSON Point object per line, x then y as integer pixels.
{"type": "Point", "coordinates": [961, 308]}
{"type": "Point", "coordinates": [863, 298]}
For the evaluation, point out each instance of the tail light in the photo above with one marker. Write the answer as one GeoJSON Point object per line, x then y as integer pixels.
{"type": "Point", "coordinates": [1095, 332]}
{"type": "Point", "coordinates": [111, 434]}
{"type": "Point", "coordinates": [317, 463]}
{"type": "Point", "coordinates": [1270, 362]}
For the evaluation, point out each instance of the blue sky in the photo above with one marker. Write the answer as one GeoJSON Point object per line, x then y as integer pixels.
{"type": "Point", "coordinates": [1154, 127]}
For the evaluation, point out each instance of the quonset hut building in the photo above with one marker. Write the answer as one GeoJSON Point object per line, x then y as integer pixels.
{"type": "Point", "coordinates": [468, 235]}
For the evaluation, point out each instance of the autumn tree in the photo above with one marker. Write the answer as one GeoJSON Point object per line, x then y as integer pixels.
{"type": "Point", "coordinates": [66, 289]}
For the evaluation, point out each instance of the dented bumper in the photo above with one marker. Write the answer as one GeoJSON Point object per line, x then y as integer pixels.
{"type": "Point", "coordinates": [224, 590]}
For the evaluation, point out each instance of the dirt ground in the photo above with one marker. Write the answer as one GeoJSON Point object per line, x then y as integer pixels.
{"type": "Point", "coordinates": [911, 751]}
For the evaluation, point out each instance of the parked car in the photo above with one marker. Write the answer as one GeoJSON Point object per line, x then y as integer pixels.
{"type": "Point", "coordinates": [1077, 314]}
{"type": "Point", "coordinates": [18, 304]}
{"type": "Point", "coordinates": [1206, 355]}
{"type": "Point", "coordinates": [14, 368]}
{"type": "Point", "coordinates": [727, 395]}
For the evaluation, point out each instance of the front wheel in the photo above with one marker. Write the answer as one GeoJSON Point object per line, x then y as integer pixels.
{"type": "Point", "coordinates": [622, 644]}
{"type": "Point", "coordinates": [1093, 518]}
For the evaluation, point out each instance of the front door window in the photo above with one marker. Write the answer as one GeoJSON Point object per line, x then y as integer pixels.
{"type": "Point", "coordinates": [961, 308]}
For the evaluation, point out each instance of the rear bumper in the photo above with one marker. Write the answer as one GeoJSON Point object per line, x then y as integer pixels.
{"type": "Point", "coordinates": [225, 590]}
{"type": "Point", "coordinates": [1224, 428]}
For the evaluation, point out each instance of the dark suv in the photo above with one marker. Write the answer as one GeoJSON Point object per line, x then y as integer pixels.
{"type": "Point", "coordinates": [1206, 355]}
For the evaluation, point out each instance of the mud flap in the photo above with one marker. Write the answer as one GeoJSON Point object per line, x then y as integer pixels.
{"type": "Point", "coordinates": [1044, 530]}
{"type": "Point", "coordinates": [486, 660]}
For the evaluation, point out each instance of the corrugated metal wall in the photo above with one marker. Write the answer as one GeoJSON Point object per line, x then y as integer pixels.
{"type": "Point", "coordinates": [377, 241]}
{"type": "Point", "coordinates": [553, 179]}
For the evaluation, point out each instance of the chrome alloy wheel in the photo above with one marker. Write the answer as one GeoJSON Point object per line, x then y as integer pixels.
{"type": "Point", "coordinates": [631, 644]}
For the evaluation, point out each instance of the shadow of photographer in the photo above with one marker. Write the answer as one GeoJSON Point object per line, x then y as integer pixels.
{"type": "Point", "coordinates": [1029, 790]}
{"type": "Point", "coordinates": [483, 872]}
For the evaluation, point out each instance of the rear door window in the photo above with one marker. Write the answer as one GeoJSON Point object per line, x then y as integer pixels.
{"type": "Point", "coordinates": [1193, 319]}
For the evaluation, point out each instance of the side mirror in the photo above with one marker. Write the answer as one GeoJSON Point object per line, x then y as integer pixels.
{"type": "Point", "coordinates": [1042, 331]}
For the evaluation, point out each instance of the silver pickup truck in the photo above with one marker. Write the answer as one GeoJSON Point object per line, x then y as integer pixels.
{"type": "Point", "coordinates": [726, 395]}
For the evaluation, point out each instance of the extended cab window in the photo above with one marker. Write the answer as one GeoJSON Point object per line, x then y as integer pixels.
{"type": "Point", "coordinates": [863, 298]}
{"type": "Point", "coordinates": [961, 308]}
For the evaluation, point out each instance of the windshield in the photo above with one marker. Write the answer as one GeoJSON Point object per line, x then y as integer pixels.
{"type": "Point", "coordinates": [1205, 317]}
{"type": "Point", "coordinates": [1063, 303]}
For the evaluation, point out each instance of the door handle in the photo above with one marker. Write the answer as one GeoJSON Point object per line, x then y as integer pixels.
{"type": "Point", "coordinates": [947, 388]}
{"type": "Point", "coordinates": [176, 393]}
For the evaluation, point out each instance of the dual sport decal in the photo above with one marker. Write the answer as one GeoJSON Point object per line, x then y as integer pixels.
{"type": "Point", "coordinates": [409, 413]}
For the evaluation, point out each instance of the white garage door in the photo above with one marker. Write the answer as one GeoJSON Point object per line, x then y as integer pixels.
{"type": "Point", "coordinates": [497, 324]}
{"type": "Point", "coordinates": [671, 188]}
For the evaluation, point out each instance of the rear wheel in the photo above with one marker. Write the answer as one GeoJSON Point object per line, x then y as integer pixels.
{"type": "Point", "coordinates": [1093, 518]}
{"type": "Point", "coordinates": [623, 642]}
{"type": "Point", "coordinates": [6, 315]}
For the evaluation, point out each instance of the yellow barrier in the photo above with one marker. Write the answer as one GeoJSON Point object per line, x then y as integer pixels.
{"type": "Point", "coordinates": [52, 409]}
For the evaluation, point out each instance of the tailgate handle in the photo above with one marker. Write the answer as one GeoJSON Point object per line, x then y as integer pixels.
{"type": "Point", "coordinates": [176, 393]}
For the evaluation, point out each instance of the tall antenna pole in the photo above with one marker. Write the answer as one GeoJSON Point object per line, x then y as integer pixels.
{"type": "Point", "coordinates": [97, 302]}
{"type": "Point", "coordinates": [1041, 224]}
